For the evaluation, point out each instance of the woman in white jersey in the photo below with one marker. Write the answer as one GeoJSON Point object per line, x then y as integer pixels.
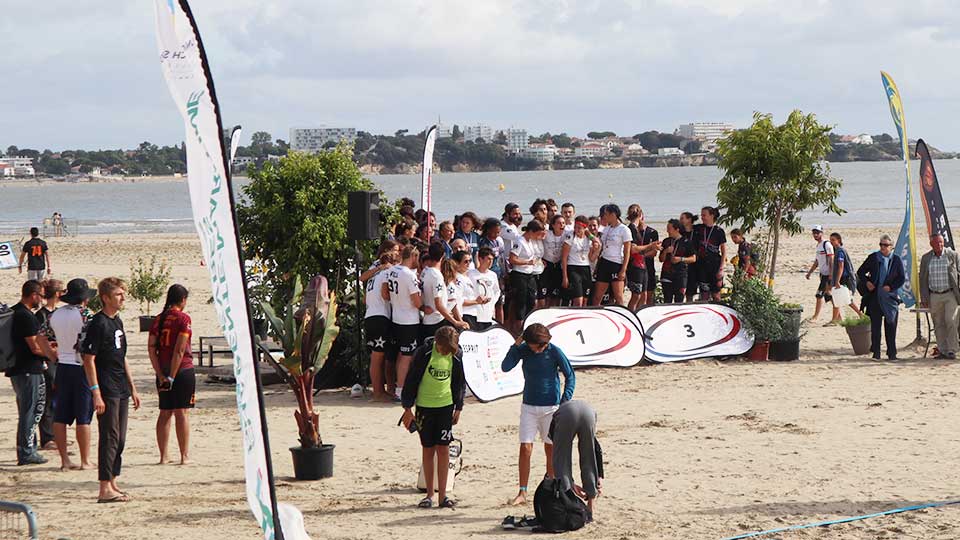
{"type": "Point", "coordinates": [525, 258]}
{"type": "Point", "coordinates": [377, 325]}
{"type": "Point", "coordinates": [402, 289]}
{"type": "Point", "coordinates": [614, 256]}
{"type": "Point", "coordinates": [578, 251]}
{"type": "Point", "coordinates": [551, 278]}
{"type": "Point", "coordinates": [461, 288]}
{"type": "Point", "coordinates": [484, 288]}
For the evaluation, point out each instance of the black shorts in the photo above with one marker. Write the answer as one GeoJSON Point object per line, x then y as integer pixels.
{"type": "Point", "coordinates": [476, 325]}
{"type": "Point", "coordinates": [428, 330]}
{"type": "Point", "coordinates": [378, 330]}
{"type": "Point", "coordinates": [406, 337]}
{"type": "Point", "coordinates": [550, 280]}
{"type": "Point", "coordinates": [435, 425]}
{"type": "Point", "coordinates": [823, 291]}
{"type": "Point", "coordinates": [608, 271]}
{"type": "Point", "coordinates": [693, 280]}
{"type": "Point", "coordinates": [183, 393]}
{"type": "Point", "coordinates": [579, 282]}
{"type": "Point", "coordinates": [636, 280]}
{"type": "Point", "coordinates": [708, 276]}
{"type": "Point", "coordinates": [74, 399]}
{"type": "Point", "coordinates": [672, 292]}
{"type": "Point", "coordinates": [523, 294]}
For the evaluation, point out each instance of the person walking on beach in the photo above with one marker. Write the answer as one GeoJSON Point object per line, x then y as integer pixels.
{"type": "Point", "coordinates": [940, 292]}
{"type": "Point", "coordinates": [882, 275]}
{"type": "Point", "coordinates": [577, 419]}
{"type": "Point", "coordinates": [38, 256]}
{"type": "Point", "coordinates": [172, 361]}
{"type": "Point", "coordinates": [104, 352]}
{"type": "Point", "coordinates": [543, 363]}
{"type": "Point", "coordinates": [824, 263]}
{"type": "Point", "coordinates": [616, 242]}
{"type": "Point", "coordinates": [74, 398]}
{"type": "Point", "coordinates": [31, 353]}
{"type": "Point", "coordinates": [52, 289]}
{"type": "Point", "coordinates": [436, 385]}
{"type": "Point", "coordinates": [842, 275]}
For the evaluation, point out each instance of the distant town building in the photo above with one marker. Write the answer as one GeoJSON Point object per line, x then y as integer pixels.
{"type": "Point", "coordinates": [704, 131]}
{"type": "Point", "coordinates": [444, 131]}
{"type": "Point", "coordinates": [540, 152]}
{"type": "Point", "coordinates": [314, 139]}
{"type": "Point", "coordinates": [592, 150]}
{"type": "Point", "coordinates": [240, 163]}
{"type": "Point", "coordinates": [863, 138]}
{"type": "Point", "coordinates": [518, 141]}
{"type": "Point", "coordinates": [669, 152]}
{"type": "Point", "coordinates": [478, 131]}
{"type": "Point", "coordinates": [634, 150]}
{"type": "Point", "coordinates": [6, 170]}
{"type": "Point", "coordinates": [17, 166]}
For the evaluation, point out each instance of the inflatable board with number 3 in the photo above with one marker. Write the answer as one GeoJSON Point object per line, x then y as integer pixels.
{"type": "Point", "coordinates": [677, 332]}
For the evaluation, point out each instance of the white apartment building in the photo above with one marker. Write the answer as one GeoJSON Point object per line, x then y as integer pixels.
{"type": "Point", "coordinates": [518, 141]}
{"type": "Point", "coordinates": [669, 152]}
{"type": "Point", "coordinates": [863, 138]}
{"type": "Point", "coordinates": [540, 152]}
{"type": "Point", "coordinates": [592, 150]}
{"type": "Point", "coordinates": [634, 150]}
{"type": "Point", "coordinates": [478, 131]}
{"type": "Point", "coordinates": [20, 166]}
{"type": "Point", "coordinates": [314, 139]}
{"type": "Point", "coordinates": [704, 131]}
{"type": "Point", "coordinates": [444, 131]}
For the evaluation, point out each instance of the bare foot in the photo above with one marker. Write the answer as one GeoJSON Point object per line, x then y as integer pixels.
{"type": "Point", "coordinates": [518, 500]}
{"type": "Point", "coordinates": [381, 398]}
{"type": "Point", "coordinates": [87, 466]}
{"type": "Point", "coordinates": [185, 460]}
{"type": "Point", "coordinates": [164, 461]}
{"type": "Point", "coordinates": [70, 466]}
{"type": "Point", "coordinates": [51, 445]}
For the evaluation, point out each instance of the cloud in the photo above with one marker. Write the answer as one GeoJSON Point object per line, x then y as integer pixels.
{"type": "Point", "coordinates": [88, 76]}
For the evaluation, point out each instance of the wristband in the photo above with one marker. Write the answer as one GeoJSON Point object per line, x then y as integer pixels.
{"type": "Point", "coordinates": [170, 379]}
{"type": "Point", "coordinates": [95, 387]}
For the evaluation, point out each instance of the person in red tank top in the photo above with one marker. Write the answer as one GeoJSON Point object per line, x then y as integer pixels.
{"type": "Point", "coordinates": [172, 360]}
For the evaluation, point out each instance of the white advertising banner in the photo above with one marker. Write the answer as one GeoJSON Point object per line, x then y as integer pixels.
{"type": "Point", "coordinates": [593, 336]}
{"type": "Point", "coordinates": [8, 255]}
{"type": "Point", "coordinates": [483, 354]}
{"type": "Point", "coordinates": [186, 71]}
{"type": "Point", "coordinates": [677, 332]}
{"type": "Point", "coordinates": [426, 176]}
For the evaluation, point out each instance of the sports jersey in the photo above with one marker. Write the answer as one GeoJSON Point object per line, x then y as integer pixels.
{"type": "Point", "coordinates": [612, 241]}
{"type": "Point", "coordinates": [552, 246]}
{"type": "Point", "coordinates": [402, 283]}
{"type": "Point", "coordinates": [175, 324]}
{"type": "Point", "coordinates": [579, 254]}
{"type": "Point", "coordinates": [376, 305]}
{"type": "Point", "coordinates": [526, 250]}
{"type": "Point", "coordinates": [456, 293]}
{"type": "Point", "coordinates": [434, 289]}
{"type": "Point", "coordinates": [483, 284]}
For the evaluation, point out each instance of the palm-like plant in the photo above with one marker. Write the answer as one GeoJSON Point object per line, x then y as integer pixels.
{"type": "Point", "coordinates": [306, 328]}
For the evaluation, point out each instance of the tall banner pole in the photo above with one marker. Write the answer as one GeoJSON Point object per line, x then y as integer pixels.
{"type": "Point", "coordinates": [906, 246]}
{"type": "Point", "coordinates": [934, 209]}
{"type": "Point", "coordinates": [187, 73]}
{"type": "Point", "coordinates": [426, 176]}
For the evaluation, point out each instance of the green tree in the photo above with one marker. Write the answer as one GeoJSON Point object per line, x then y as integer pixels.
{"type": "Point", "coordinates": [561, 141]}
{"type": "Point", "coordinates": [500, 138]}
{"type": "Point", "coordinates": [600, 134]}
{"type": "Point", "coordinates": [774, 172]}
{"type": "Point", "coordinates": [455, 133]}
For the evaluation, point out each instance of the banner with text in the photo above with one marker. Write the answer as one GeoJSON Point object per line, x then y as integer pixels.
{"type": "Point", "coordinates": [483, 354]}
{"type": "Point", "coordinates": [8, 255]}
{"type": "Point", "coordinates": [906, 246]}
{"type": "Point", "coordinates": [426, 176]}
{"type": "Point", "coordinates": [186, 71]}
{"type": "Point", "coordinates": [933, 208]}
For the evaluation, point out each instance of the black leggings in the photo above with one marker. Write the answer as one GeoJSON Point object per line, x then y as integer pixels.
{"type": "Point", "coordinates": [672, 292]}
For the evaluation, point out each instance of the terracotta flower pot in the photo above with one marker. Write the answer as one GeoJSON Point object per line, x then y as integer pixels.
{"type": "Point", "coordinates": [759, 352]}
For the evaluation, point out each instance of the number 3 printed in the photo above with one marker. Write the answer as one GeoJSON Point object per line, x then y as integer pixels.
{"type": "Point", "coordinates": [689, 329]}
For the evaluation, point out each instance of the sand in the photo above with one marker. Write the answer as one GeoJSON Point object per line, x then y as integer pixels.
{"type": "Point", "coordinates": [705, 449]}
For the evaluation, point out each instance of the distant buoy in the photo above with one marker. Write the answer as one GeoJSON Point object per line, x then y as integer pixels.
{"type": "Point", "coordinates": [560, 194]}
{"type": "Point", "coordinates": [502, 187]}
{"type": "Point", "coordinates": [610, 195]}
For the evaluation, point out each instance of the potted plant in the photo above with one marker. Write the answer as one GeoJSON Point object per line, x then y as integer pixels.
{"type": "Point", "coordinates": [858, 330]}
{"type": "Point", "coordinates": [760, 310]}
{"type": "Point", "coordinates": [786, 347]}
{"type": "Point", "coordinates": [306, 328]}
{"type": "Point", "coordinates": [148, 283]}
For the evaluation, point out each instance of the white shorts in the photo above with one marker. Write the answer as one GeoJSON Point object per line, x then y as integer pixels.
{"type": "Point", "coordinates": [536, 419]}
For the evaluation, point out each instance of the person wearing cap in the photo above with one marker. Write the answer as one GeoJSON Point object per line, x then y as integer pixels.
{"type": "Point", "coordinates": [74, 401]}
{"type": "Point", "coordinates": [940, 292]}
{"type": "Point", "coordinates": [824, 263]}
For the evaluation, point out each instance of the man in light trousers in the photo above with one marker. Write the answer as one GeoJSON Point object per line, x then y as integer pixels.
{"type": "Point", "coordinates": [940, 292]}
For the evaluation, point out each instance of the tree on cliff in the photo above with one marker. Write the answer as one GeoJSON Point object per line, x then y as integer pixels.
{"type": "Point", "coordinates": [772, 173]}
{"type": "Point", "coordinates": [596, 135]}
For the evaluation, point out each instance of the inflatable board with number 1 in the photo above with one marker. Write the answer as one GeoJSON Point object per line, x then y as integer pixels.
{"type": "Point", "coordinates": [593, 336]}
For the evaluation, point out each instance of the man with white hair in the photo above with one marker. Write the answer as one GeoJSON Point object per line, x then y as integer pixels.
{"type": "Point", "coordinates": [882, 275]}
{"type": "Point", "coordinates": [940, 292]}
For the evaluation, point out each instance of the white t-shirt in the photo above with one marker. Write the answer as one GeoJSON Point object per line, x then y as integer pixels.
{"type": "Point", "coordinates": [824, 250]}
{"type": "Point", "coordinates": [552, 245]}
{"type": "Point", "coordinates": [612, 240]}
{"type": "Point", "coordinates": [579, 254]}
{"type": "Point", "coordinates": [433, 289]}
{"type": "Point", "coordinates": [526, 250]}
{"type": "Point", "coordinates": [509, 234]}
{"type": "Point", "coordinates": [376, 305]}
{"type": "Point", "coordinates": [403, 283]}
{"type": "Point", "coordinates": [484, 284]}
{"type": "Point", "coordinates": [67, 325]}
{"type": "Point", "coordinates": [456, 292]}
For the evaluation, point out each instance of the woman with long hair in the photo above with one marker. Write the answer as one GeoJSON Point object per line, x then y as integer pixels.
{"type": "Point", "coordinates": [52, 291]}
{"type": "Point", "coordinates": [688, 227]}
{"type": "Point", "coordinates": [551, 278]}
{"type": "Point", "coordinates": [711, 241]}
{"type": "Point", "coordinates": [172, 361]}
{"type": "Point", "coordinates": [614, 256]}
{"type": "Point", "coordinates": [578, 251]}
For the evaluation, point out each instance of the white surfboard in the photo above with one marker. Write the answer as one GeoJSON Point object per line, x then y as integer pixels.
{"type": "Point", "coordinates": [593, 336]}
{"type": "Point", "coordinates": [483, 353]}
{"type": "Point", "coordinates": [8, 255]}
{"type": "Point", "coordinates": [678, 332]}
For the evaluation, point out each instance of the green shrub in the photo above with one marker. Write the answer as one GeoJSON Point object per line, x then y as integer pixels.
{"type": "Point", "coordinates": [148, 282]}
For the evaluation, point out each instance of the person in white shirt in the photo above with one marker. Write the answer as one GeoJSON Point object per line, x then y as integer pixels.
{"type": "Point", "coordinates": [402, 289]}
{"type": "Point", "coordinates": [614, 256]}
{"type": "Point", "coordinates": [509, 233]}
{"type": "Point", "coordinates": [434, 284]}
{"type": "Point", "coordinates": [526, 261]}
{"type": "Point", "coordinates": [823, 262]}
{"type": "Point", "coordinates": [376, 323]}
{"type": "Point", "coordinates": [483, 286]}
{"type": "Point", "coordinates": [578, 251]}
{"type": "Point", "coordinates": [568, 211]}
{"type": "Point", "coordinates": [551, 278]}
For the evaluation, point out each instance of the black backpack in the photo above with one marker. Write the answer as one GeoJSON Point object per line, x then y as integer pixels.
{"type": "Point", "coordinates": [7, 359]}
{"type": "Point", "coordinates": [558, 510]}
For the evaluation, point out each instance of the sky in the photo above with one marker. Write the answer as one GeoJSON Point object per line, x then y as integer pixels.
{"type": "Point", "coordinates": [84, 73]}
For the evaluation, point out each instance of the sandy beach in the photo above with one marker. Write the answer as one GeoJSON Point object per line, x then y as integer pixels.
{"type": "Point", "coordinates": [701, 450]}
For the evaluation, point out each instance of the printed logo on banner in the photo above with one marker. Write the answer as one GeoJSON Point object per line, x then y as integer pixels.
{"type": "Point", "coordinates": [483, 354]}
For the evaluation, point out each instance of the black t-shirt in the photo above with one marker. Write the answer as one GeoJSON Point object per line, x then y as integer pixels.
{"type": "Point", "coordinates": [35, 248]}
{"type": "Point", "coordinates": [636, 270]}
{"type": "Point", "coordinates": [744, 252]}
{"type": "Point", "coordinates": [708, 241]}
{"type": "Point", "coordinates": [24, 325]}
{"type": "Point", "coordinates": [681, 248]}
{"type": "Point", "coordinates": [649, 235]}
{"type": "Point", "coordinates": [105, 339]}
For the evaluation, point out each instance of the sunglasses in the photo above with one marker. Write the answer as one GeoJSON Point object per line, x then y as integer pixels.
{"type": "Point", "coordinates": [886, 245]}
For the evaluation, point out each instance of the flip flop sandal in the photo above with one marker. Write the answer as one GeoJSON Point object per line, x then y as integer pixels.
{"type": "Point", "coordinates": [448, 503]}
{"type": "Point", "coordinates": [116, 499]}
{"type": "Point", "coordinates": [426, 502]}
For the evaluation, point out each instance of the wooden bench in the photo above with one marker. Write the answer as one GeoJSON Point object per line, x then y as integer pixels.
{"type": "Point", "coordinates": [211, 345]}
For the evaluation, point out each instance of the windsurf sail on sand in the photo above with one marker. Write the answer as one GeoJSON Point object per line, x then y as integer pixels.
{"type": "Point", "coordinates": [933, 208]}
{"type": "Point", "coordinates": [8, 255]}
{"type": "Point", "coordinates": [426, 176]}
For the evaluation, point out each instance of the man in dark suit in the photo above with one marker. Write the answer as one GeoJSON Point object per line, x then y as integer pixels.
{"type": "Point", "coordinates": [882, 275]}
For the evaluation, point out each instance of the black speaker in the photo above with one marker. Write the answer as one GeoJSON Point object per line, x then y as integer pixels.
{"type": "Point", "coordinates": [363, 215]}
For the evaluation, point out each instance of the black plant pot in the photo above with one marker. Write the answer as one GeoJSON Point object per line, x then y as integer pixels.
{"type": "Point", "coordinates": [146, 322]}
{"type": "Point", "coordinates": [785, 351]}
{"type": "Point", "coordinates": [312, 463]}
{"type": "Point", "coordinates": [260, 328]}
